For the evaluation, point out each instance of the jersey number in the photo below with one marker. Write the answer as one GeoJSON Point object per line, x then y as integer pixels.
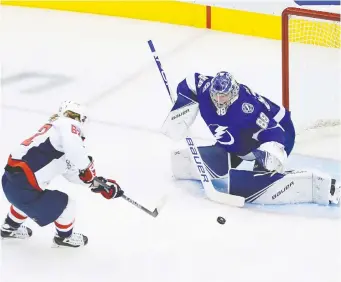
{"type": "Point", "coordinates": [262, 121]}
{"type": "Point", "coordinates": [41, 131]}
{"type": "Point", "coordinates": [75, 130]}
{"type": "Point", "coordinates": [202, 79]}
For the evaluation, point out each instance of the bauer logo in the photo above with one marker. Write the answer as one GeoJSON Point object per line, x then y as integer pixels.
{"type": "Point", "coordinates": [247, 108]}
{"type": "Point", "coordinates": [283, 190]}
{"type": "Point", "coordinates": [180, 114]}
{"type": "Point", "coordinates": [197, 160]}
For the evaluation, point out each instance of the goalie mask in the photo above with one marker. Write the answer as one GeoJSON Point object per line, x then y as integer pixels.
{"type": "Point", "coordinates": [224, 91]}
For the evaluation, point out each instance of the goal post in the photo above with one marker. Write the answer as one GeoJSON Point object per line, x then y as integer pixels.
{"type": "Point", "coordinates": [311, 79]}
{"type": "Point", "coordinates": [308, 27]}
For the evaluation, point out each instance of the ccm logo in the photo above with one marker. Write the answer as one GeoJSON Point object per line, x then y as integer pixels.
{"type": "Point", "coordinates": [197, 160]}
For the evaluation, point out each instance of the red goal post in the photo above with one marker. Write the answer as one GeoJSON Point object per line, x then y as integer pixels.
{"type": "Point", "coordinates": [326, 33]}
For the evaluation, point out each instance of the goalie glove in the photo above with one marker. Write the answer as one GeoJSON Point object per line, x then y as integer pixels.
{"type": "Point", "coordinates": [87, 175]}
{"type": "Point", "coordinates": [108, 188]}
{"type": "Point", "coordinates": [270, 156]}
{"type": "Point", "coordinates": [179, 121]}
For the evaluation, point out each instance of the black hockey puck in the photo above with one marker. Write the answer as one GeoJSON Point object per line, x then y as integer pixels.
{"type": "Point", "coordinates": [221, 220]}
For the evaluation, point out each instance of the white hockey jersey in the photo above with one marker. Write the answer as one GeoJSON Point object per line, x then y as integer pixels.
{"type": "Point", "coordinates": [56, 149]}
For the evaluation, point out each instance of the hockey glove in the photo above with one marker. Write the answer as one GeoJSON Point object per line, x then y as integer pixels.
{"type": "Point", "coordinates": [270, 156]}
{"type": "Point", "coordinates": [107, 187]}
{"type": "Point", "coordinates": [87, 175]}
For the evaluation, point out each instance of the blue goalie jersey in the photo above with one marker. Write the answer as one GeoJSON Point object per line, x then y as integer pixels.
{"type": "Point", "coordinates": [249, 121]}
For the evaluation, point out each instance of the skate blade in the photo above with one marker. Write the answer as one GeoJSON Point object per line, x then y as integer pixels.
{"type": "Point", "coordinates": [55, 246]}
{"type": "Point", "coordinates": [15, 238]}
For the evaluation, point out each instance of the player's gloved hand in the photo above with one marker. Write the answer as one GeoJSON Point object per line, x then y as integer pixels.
{"type": "Point", "coordinates": [270, 156]}
{"type": "Point", "coordinates": [108, 188]}
{"type": "Point", "coordinates": [87, 175]}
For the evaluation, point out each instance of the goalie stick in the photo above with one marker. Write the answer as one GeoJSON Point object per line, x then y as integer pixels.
{"type": "Point", "coordinates": [153, 213]}
{"type": "Point", "coordinates": [210, 191]}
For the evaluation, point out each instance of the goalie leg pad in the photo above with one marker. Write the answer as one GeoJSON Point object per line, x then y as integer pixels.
{"type": "Point", "coordinates": [323, 186]}
{"type": "Point", "coordinates": [215, 159]}
{"type": "Point", "coordinates": [291, 187]}
{"type": "Point", "coordinates": [182, 165]}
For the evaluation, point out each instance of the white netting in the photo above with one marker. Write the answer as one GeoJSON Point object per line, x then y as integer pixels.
{"type": "Point", "coordinates": [314, 31]}
{"type": "Point", "coordinates": [315, 85]}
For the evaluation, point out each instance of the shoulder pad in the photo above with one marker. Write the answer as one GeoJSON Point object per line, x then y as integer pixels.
{"type": "Point", "coordinates": [200, 79]}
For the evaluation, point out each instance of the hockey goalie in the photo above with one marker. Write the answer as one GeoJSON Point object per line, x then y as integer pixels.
{"type": "Point", "coordinates": [247, 127]}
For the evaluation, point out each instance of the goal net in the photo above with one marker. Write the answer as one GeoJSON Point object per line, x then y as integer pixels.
{"type": "Point", "coordinates": [311, 76]}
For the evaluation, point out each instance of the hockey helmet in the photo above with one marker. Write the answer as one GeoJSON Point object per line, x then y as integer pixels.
{"type": "Point", "coordinates": [224, 91]}
{"type": "Point", "coordinates": [73, 110]}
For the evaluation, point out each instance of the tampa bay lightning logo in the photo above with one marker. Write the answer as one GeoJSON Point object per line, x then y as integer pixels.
{"type": "Point", "coordinates": [221, 132]}
{"type": "Point", "coordinates": [247, 108]}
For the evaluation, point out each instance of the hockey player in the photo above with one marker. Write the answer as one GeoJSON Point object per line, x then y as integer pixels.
{"type": "Point", "coordinates": [247, 127]}
{"type": "Point", "coordinates": [56, 149]}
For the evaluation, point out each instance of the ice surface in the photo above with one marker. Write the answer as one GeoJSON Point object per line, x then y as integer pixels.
{"type": "Point", "coordinates": [48, 56]}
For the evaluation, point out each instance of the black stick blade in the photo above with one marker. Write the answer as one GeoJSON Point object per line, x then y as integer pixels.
{"type": "Point", "coordinates": [155, 213]}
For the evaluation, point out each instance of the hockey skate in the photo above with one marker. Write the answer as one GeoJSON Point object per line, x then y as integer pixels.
{"type": "Point", "coordinates": [8, 232]}
{"type": "Point", "coordinates": [74, 241]}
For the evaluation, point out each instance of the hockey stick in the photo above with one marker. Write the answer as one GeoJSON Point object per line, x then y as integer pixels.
{"type": "Point", "coordinates": [210, 191]}
{"type": "Point", "coordinates": [153, 213]}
